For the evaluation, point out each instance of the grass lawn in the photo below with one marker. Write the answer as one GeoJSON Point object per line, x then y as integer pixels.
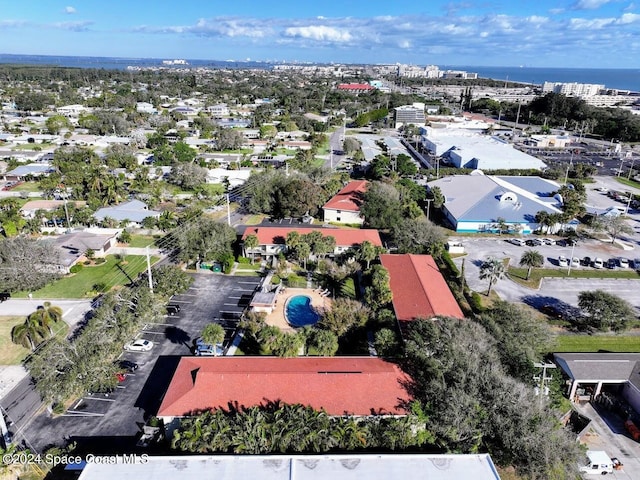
{"type": "Point", "coordinates": [595, 343]}
{"type": "Point", "coordinates": [80, 285]}
{"type": "Point", "coordinates": [247, 273]}
{"type": "Point", "coordinates": [12, 354]}
{"type": "Point", "coordinates": [141, 241]}
{"type": "Point", "coordinates": [248, 266]}
{"type": "Point", "coordinates": [27, 187]}
{"type": "Point", "coordinates": [519, 275]}
{"type": "Point", "coordinates": [629, 183]}
{"type": "Point", "coordinates": [255, 219]}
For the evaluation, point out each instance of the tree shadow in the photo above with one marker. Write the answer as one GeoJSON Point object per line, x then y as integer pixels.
{"type": "Point", "coordinates": [177, 335]}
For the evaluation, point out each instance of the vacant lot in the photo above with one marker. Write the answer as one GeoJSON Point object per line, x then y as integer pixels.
{"type": "Point", "coordinates": [80, 285]}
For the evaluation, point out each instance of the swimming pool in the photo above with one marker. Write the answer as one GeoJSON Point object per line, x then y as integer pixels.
{"type": "Point", "coordinates": [299, 312]}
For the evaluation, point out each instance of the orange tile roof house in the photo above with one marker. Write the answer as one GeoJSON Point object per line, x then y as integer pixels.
{"type": "Point", "coordinates": [339, 385]}
{"type": "Point", "coordinates": [271, 240]}
{"type": "Point", "coordinates": [344, 207]}
{"type": "Point", "coordinates": [419, 289]}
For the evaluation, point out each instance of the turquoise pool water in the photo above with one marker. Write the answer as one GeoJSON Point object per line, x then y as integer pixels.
{"type": "Point", "coordinates": [299, 312]}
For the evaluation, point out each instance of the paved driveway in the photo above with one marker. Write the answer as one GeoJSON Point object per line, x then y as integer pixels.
{"type": "Point", "coordinates": [106, 422]}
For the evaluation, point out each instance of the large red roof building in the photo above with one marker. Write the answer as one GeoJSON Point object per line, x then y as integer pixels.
{"type": "Point", "coordinates": [344, 207]}
{"type": "Point", "coordinates": [419, 289]}
{"type": "Point", "coordinates": [338, 385]}
{"type": "Point", "coordinates": [355, 87]}
{"type": "Point", "coordinates": [271, 240]}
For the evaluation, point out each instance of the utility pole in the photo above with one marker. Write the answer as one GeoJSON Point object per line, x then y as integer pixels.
{"type": "Point", "coordinates": [149, 270]}
{"type": "Point", "coordinates": [228, 211]}
{"type": "Point", "coordinates": [542, 389]}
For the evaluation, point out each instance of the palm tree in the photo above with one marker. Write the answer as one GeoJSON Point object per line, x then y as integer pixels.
{"type": "Point", "coordinates": [368, 252]}
{"type": "Point", "coordinates": [493, 270]}
{"type": "Point", "coordinates": [29, 334]}
{"type": "Point", "coordinates": [212, 334]}
{"type": "Point", "coordinates": [531, 259]}
{"type": "Point", "coordinates": [250, 243]}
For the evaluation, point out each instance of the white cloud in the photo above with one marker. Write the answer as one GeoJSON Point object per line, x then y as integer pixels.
{"type": "Point", "coordinates": [70, 10]}
{"type": "Point", "coordinates": [82, 26]}
{"type": "Point", "coordinates": [589, 4]}
{"type": "Point", "coordinates": [321, 33]}
{"type": "Point", "coordinates": [627, 18]}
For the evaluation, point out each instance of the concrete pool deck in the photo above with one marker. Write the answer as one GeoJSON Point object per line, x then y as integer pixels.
{"type": "Point", "coordinates": [276, 318]}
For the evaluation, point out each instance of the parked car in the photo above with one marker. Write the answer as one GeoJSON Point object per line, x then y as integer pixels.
{"type": "Point", "coordinates": [598, 263]}
{"type": "Point", "coordinates": [535, 242]}
{"type": "Point", "coordinates": [623, 262]}
{"type": "Point", "coordinates": [586, 262]}
{"type": "Point", "coordinates": [121, 377]}
{"type": "Point", "coordinates": [128, 366]}
{"type": "Point", "coordinates": [612, 263]}
{"type": "Point", "coordinates": [139, 345]}
{"type": "Point", "coordinates": [563, 261]}
{"type": "Point", "coordinates": [517, 241]}
{"type": "Point", "coordinates": [575, 262]}
{"type": "Point", "coordinates": [206, 349]}
{"type": "Point", "coordinates": [548, 241]}
{"type": "Point", "coordinates": [636, 263]}
{"type": "Point", "coordinates": [4, 296]}
{"type": "Point", "coordinates": [173, 309]}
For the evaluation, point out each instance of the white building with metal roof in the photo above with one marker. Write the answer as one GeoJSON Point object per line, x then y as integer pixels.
{"type": "Point", "coordinates": [464, 149]}
{"type": "Point", "coordinates": [292, 467]}
{"type": "Point", "coordinates": [474, 203]}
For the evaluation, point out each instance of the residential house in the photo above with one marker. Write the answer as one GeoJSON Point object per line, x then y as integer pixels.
{"type": "Point", "coordinates": [29, 209]}
{"type": "Point", "coordinates": [134, 211]}
{"type": "Point", "coordinates": [31, 170]}
{"type": "Point", "coordinates": [271, 240]}
{"type": "Point", "coordinates": [344, 207]}
{"type": "Point", "coordinates": [71, 247]}
{"type": "Point", "coordinates": [419, 289]}
{"type": "Point", "coordinates": [358, 386]}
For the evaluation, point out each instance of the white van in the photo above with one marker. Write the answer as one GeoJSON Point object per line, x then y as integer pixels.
{"type": "Point", "coordinates": [598, 463]}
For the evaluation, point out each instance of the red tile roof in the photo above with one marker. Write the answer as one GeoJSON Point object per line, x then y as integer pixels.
{"type": "Point", "coordinates": [355, 86]}
{"type": "Point", "coordinates": [419, 289]}
{"type": "Point", "coordinates": [339, 385]}
{"type": "Point", "coordinates": [344, 236]}
{"type": "Point", "coordinates": [349, 198]}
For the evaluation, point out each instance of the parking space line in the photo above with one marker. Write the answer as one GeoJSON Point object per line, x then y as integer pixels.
{"type": "Point", "coordinates": [173, 300]}
{"type": "Point", "coordinates": [101, 399]}
{"type": "Point", "coordinates": [82, 414]}
{"type": "Point", "coordinates": [231, 304]}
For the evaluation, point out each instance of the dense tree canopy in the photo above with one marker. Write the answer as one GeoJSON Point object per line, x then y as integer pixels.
{"type": "Point", "coordinates": [27, 264]}
{"type": "Point", "coordinates": [604, 311]}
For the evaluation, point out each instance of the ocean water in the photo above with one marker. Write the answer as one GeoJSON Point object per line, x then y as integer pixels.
{"type": "Point", "coordinates": [622, 79]}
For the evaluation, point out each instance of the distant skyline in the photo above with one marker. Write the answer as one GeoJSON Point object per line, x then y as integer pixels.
{"type": "Point", "coordinates": [544, 33]}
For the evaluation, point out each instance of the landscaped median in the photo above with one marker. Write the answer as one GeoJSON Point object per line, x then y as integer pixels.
{"type": "Point", "coordinates": [519, 275]}
{"type": "Point", "coordinates": [94, 279]}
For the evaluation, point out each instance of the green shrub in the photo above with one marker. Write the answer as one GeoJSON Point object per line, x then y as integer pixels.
{"type": "Point", "coordinates": [244, 260]}
{"type": "Point", "coordinates": [476, 302]}
{"type": "Point", "coordinates": [57, 408]}
{"type": "Point", "coordinates": [100, 261]}
{"type": "Point", "coordinates": [76, 268]}
{"type": "Point", "coordinates": [99, 287]}
{"type": "Point", "coordinates": [87, 262]}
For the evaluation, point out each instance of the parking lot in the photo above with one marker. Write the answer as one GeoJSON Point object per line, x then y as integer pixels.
{"type": "Point", "coordinates": [113, 420]}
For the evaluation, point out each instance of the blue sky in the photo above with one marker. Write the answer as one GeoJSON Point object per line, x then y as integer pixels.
{"type": "Point", "coordinates": [543, 33]}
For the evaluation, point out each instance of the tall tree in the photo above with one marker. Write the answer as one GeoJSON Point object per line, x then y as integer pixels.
{"type": "Point", "coordinates": [605, 311]}
{"type": "Point", "coordinates": [251, 242]}
{"type": "Point", "coordinates": [212, 334]}
{"type": "Point", "coordinates": [493, 270]}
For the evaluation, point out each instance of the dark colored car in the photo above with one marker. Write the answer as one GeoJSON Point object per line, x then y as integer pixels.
{"type": "Point", "coordinates": [612, 263]}
{"type": "Point", "coordinates": [586, 262]}
{"type": "Point", "coordinates": [173, 308]}
{"type": "Point", "coordinates": [128, 366]}
{"type": "Point", "coordinates": [4, 296]}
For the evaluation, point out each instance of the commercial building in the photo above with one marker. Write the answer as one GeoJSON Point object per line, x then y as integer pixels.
{"type": "Point", "coordinates": [572, 88]}
{"type": "Point", "coordinates": [409, 115]}
{"type": "Point", "coordinates": [474, 203]}
{"type": "Point", "coordinates": [295, 467]}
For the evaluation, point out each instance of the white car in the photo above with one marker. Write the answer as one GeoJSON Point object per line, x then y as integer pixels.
{"type": "Point", "coordinates": [139, 345]}
{"type": "Point", "coordinates": [517, 241]}
{"type": "Point", "coordinates": [563, 261]}
{"type": "Point", "coordinates": [575, 262]}
{"type": "Point", "coordinates": [623, 262]}
{"type": "Point", "coordinates": [548, 241]}
{"type": "Point", "coordinates": [598, 263]}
